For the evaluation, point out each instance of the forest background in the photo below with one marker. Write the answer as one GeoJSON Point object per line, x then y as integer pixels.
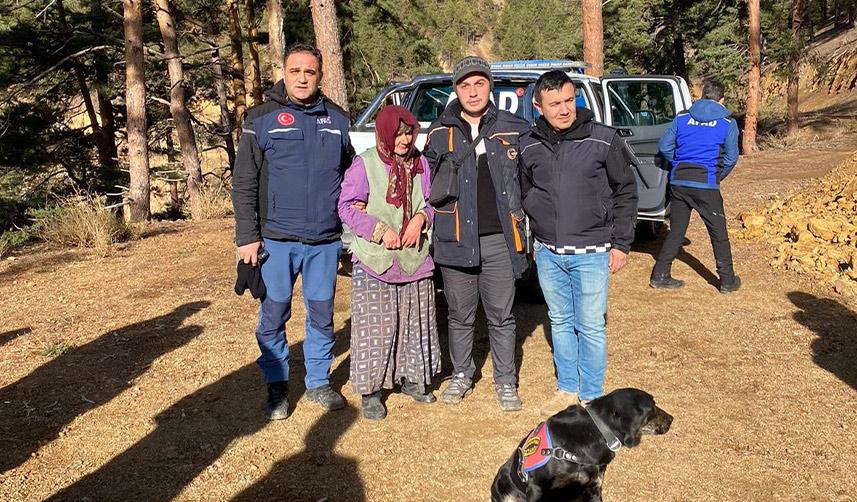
{"type": "Point", "coordinates": [94, 94]}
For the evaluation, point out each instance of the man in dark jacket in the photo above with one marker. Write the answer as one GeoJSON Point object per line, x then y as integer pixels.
{"type": "Point", "coordinates": [581, 198]}
{"type": "Point", "coordinates": [478, 240]}
{"type": "Point", "coordinates": [702, 145]}
{"type": "Point", "coordinates": [293, 152]}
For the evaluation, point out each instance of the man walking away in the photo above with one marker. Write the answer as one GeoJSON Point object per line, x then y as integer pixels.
{"type": "Point", "coordinates": [702, 145]}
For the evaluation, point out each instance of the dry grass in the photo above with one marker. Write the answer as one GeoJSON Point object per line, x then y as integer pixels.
{"type": "Point", "coordinates": [4, 247]}
{"type": "Point", "coordinates": [83, 221]}
{"type": "Point", "coordinates": [212, 203]}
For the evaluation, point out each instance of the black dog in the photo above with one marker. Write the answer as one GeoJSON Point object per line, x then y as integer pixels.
{"type": "Point", "coordinates": [565, 457]}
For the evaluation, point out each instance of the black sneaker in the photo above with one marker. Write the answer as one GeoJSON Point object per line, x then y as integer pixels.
{"type": "Point", "coordinates": [373, 408]}
{"type": "Point", "coordinates": [732, 286]}
{"type": "Point", "coordinates": [278, 401]}
{"type": "Point", "coordinates": [326, 397]}
{"type": "Point", "coordinates": [665, 281]}
{"type": "Point", "coordinates": [413, 390]}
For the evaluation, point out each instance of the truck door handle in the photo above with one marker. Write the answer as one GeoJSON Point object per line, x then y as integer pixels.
{"type": "Point", "coordinates": [625, 133]}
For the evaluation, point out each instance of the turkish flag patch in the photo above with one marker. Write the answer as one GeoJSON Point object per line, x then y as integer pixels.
{"type": "Point", "coordinates": [286, 119]}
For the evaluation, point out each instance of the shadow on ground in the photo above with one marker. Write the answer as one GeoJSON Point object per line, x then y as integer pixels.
{"type": "Point", "coordinates": [194, 432]}
{"type": "Point", "coordinates": [11, 335]}
{"type": "Point", "coordinates": [37, 407]}
{"type": "Point", "coordinates": [653, 247]}
{"type": "Point", "coordinates": [317, 472]}
{"type": "Point", "coordinates": [835, 349]}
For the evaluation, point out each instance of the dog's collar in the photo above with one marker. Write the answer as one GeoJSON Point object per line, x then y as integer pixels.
{"type": "Point", "coordinates": [613, 443]}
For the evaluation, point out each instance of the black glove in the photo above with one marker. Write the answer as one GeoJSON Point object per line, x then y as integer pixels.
{"type": "Point", "coordinates": [250, 277]}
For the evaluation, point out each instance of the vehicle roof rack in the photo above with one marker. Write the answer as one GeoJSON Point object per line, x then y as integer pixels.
{"type": "Point", "coordinates": [541, 64]}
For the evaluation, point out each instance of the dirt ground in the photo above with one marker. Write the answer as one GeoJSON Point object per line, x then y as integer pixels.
{"type": "Point", "coordinates": [133, 378]}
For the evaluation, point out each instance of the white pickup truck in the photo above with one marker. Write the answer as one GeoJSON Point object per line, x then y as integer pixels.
{"type": "Point", "coordinates": [641, 107]}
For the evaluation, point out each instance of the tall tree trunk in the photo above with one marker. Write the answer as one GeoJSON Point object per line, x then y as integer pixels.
{"type": "Point", "coordinates": [104, 146]}
{"type": "Point", "coordinates": [239, 92]}
{"type": "Point", "coordinates": [253, 48]}
{"type": "Point", "coordinates": [327, 39]}
{"type": "Point", "coordinates": [679, 61]}
{"type": "Point", "coordinates": [755, 76]}
{"type": "Point", "coordinates": [135, 101]}
{"type": "Point", "coordinates": [105, 112]}
{"type": "Point", "coordinates": [178, 104]}
{"type": "Point", "coordinates": [223, 101]}
{"type": "Point", "coordinates": [276, 39]}
{"type": "Point", "coordinates": [593, 37]}
{"type": "Point", "coordinates": [212, 35]}
{"type": "Point", "coordinates": [794, 69]}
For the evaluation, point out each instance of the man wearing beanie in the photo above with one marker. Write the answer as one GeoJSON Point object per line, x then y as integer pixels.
{"type": "Point", "coordinates": [479, 236]}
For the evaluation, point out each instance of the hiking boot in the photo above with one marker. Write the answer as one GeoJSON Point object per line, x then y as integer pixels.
{"type": "Point", "coordinates": [373, 408]}
{"type": "Point", "coordinates": [665, 281]}
{"type": "Point", "coordinates": [732, 286]}
{"type": "Point", "coordinates": [560, 401]}
{"type": "Point", "coordinates": [507, 396]}
{"type": "Point", "coordinates": [459, 387]}
{"type": "Point", "coordinates": [278, 401]}
{"type": "Point", "coordinates": [328, 398]}
{"type": "Point", "coordinates": [413, 390]}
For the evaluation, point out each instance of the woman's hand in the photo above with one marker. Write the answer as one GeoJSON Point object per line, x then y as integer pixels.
{"type": "Point", "coordinates": [413, 233]}
{"type": "Point", "coordinates": [391, 239]}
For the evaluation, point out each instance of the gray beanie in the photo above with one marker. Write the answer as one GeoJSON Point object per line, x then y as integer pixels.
{"type": "Point", "coordinates": [470, 65]}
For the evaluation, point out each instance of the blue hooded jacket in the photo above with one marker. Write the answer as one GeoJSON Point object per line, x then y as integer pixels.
{"type": "Point", "coordinates": [702, 145]}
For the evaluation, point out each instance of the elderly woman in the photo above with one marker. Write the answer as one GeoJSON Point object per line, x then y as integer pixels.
{"type": "Point", "coordinates": [394, 335]}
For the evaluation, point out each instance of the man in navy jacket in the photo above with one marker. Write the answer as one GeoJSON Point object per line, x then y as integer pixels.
{"type": "Point", "coordinates": [702, 145]}
{"type": "Point", "coordinates": [581, 197]}
{"type": "Point", "coordinates": [293, 152]}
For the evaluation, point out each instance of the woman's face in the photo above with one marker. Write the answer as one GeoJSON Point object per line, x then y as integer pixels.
{"type": "Point", "coordinates": [403, 142]}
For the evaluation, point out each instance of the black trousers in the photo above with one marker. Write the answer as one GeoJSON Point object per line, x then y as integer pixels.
{"type": "Point", "coordinates": [709, 205]}
{"type": "Point", "coordinates": [494, 282]}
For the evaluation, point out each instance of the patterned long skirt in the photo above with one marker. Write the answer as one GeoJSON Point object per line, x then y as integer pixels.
{"type": "Point", "coordinates": [393, 333]}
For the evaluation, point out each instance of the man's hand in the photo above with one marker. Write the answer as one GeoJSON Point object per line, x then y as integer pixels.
{"type": "Point", "coordinates": [391, 239]}
{"type": "Point", "coordinates": [249, 253]}
{"type": "Point", "coordinates": [414, 231]}
{"type": "Point", "coordinates": [618, 259]}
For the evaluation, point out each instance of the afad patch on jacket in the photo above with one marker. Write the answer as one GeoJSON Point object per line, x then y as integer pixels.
{"type": "Point", "coordinates": [532, 448]}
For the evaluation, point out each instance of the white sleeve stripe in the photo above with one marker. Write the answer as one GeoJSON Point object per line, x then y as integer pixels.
{"type": "Point", "coordinates": [592, 139]}
{"type": "Point", "coordinates": [525, 148]}
{"type": "Point", "coordinates": [248, 131]}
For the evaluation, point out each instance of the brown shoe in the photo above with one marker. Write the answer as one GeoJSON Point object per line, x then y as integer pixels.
{"type": "Point", "coordinates": [560, 401]}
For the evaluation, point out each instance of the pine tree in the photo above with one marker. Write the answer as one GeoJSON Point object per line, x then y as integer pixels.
{"type": "Point", "coordinates": [178, 104]}
{"type": "Point", "coordinates": [135, 103]}
{"type": "Point", "coordinates": [327, 40]}
{"type": "Point", "coordinates": [593, 37]}
{"type": "Point", "coordinates": [754, 77]}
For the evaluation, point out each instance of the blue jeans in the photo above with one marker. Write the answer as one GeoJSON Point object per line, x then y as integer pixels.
{"type": "Point", "coordinates": [575, 289]}
{"type": "Point", "coordinates": [317, 263]}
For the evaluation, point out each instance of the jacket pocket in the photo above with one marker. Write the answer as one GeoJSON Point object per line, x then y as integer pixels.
{"type": "Point", "coordinates": [446, 226]}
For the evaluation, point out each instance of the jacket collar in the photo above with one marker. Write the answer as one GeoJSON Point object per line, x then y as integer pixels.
{"type": "Point", "coordinates": [580, 128]}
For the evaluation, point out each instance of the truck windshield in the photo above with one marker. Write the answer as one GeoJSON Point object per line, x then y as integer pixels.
{"type": "Point", "coordinates": [431, 99]}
